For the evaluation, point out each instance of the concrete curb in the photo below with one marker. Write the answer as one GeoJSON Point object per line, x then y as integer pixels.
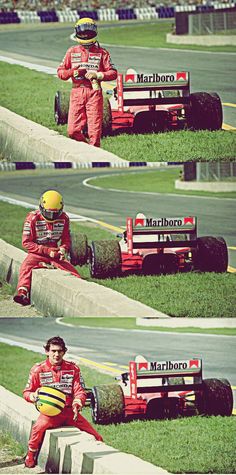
{"type": "Point", "coordinates": [24, 140]}
{"type": "Point", "coordinates": [67, 449]}
{"type": "Point", "coordinates": [202, 40]}
{"type": "Point", "coordinates": [57, 293]}
{"type": "Point", "coordinates": [205, 186]}
{"type": "Point", "coordinates": [173, 322]}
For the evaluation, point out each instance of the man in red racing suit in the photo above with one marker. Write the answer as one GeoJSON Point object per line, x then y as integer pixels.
{"type": "Point", "coordinates": [87, 64]}
{"type": "Point", "coordinates": [65, 376]}
{"type": "Point", "coordinates": [41, 237]}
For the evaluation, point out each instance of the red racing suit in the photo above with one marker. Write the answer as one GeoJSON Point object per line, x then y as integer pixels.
{"type": "Point", "coordinates": [39, 236]}
{"type": "Point", "coordinates": [86, 104]}
{"type": "Point", "coordinates": [66, 378]}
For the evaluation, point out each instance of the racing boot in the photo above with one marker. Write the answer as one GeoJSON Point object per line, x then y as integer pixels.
{"type": "Point", "coordinates": [31, 459]}
{"type": "Point", "coordinates": [22, 297]}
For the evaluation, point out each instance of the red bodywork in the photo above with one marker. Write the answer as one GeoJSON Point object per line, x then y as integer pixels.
{"type": "Point", "coordinates": [169, 111]}
{"type": "Point", "coordinates": [136, 403]}
{"type": "Point", "coordinates": [133, 258]}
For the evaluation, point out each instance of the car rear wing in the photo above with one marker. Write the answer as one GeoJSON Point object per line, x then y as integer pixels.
{"type": "Point", "coordinates": [153, 83]}
{"type": "Point", "coordinates": [154, 376]}
{"type": "Point", "coordinates": [143, 232]}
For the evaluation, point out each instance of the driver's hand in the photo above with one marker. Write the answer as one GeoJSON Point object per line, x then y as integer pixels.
{"type": "Point", "coordinates": [76, 407]}
{"type": "Point", "coordinates": [91, 75]}
{"type": "Point", "coordinates": [63, 254]}
{"type": "Point", "coordinates": [34, 396]}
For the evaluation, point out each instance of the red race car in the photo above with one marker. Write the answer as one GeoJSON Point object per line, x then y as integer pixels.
{"type": "Point", "coordinates": [158, 246]}
{"type": "Point", "coordinates": [159, 389]}
{"type": "Point", "coordinates": [153, 102]}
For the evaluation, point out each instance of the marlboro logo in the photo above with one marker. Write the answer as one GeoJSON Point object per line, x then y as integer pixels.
{"type": "Point", "coordinates": [171, 366]}
{"type": "Point", "coordinates": [131, 78]}
{"type": "Point", "coordinates": [180, 76]}
{"type": "Point", "coordinates": [157, 77]}
{"type": "Point", "coordinates": [142, 366]}
{"type": "Point", "coordinates": [165, 222]}
{"type": "Point", "coordinates": [139, 222]}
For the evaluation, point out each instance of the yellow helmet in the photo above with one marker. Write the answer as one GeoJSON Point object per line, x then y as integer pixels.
{"type": "Point", "coordinates": [51, 205]}
{"type": "Point", "coordinates": [50, 401]}
{"type": "Point", "coordinates": [86, 31]}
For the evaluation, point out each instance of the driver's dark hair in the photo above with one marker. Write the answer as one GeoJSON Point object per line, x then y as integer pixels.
{"type": "Point", "coordinates": [55, 340]}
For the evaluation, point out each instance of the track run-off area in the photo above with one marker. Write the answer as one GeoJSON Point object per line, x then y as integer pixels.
{"type": "Point", "coordinates": [209, 71]}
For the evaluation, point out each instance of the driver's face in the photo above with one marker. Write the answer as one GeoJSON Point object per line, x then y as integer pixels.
{"type": "Point", "coordinates": [55, 354]}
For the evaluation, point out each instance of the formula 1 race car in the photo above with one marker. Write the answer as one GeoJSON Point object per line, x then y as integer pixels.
{"type": "Point", "coordinates": [153, 246]}
{"type": "Point", "coordinates": [153, 102]}
{"type": "Point", "coordinates": [161, 389]}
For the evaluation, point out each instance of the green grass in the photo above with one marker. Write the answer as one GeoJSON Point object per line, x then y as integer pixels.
{"type": "Point", "coordinates": [190, 295]}
{"type": "Point", "coordinates": [181, 295]}
{"type": "Point", "coordinates": [130, 324]}
{"type": "Point", "coordinates": [188, 445]}
{"type": "Point", "coordinates": [32, 96]}
{"type": "Point", "coordinates": [5, 291]}
{"type": "Point", "coordinates": [158, 181]}
{"type": "Point", "coordinates": [9, 449]}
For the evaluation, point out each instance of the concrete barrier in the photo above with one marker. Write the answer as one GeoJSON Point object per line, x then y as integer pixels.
{"type": "Point", "coordinates": [175, 322]}
{"type": "Point", "coordinates": [24, 140]}
{"type": "Point", "coordinates": [16, 415]}
{"type": "Point", "coordinates": [214, 187]}
{"type": "Point", "coordinates": [67, 449]}
{"type": "Point", "coordinates": [57, 293]}
{"type": "Point", "coordinates": [202, 40]}
{"type": "Point", "coordinates": [10, 261]}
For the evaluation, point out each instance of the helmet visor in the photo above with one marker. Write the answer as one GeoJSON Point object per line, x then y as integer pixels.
{"type": "Point", "coordinates": [51, 214]}
{"type": "Point", "coordinates": [86, 31]}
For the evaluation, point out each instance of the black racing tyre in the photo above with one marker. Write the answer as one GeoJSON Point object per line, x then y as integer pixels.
{"type": "Point", "coordinates": [218, 109]}
{"type": "Point", "coordinates": [79, 251]}
{"type": "Point", "coordinates": [107, 116]}
{"type": "Point", "coordinates": [211, 254]}
{"type": "Point", "coordinates": [107, 404]}
{"type": "Point", "coordinates": [105, 259]}
{"type": "Point", "coordinates": [215, 398]}
{"type": "Point", "coordinates": [204, 111]}
{"type": "Point", "coordinates": [61, 107]}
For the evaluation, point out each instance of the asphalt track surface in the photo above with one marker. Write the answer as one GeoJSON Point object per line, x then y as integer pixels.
{"type": "Point", "coordinates": [109, 346]}
{"type": "Point", "coordinates": [216, 217]}
{"type": "Point", "coordinates": [209, 71]}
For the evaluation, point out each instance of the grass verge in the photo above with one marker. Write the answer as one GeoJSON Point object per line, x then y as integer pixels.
{"type": "Point", "coordinates": [158, 181]}
{"type": "Point", "coordinates": [187, 445]}
{"type": "Point", "coordinates": [32, 97]}
{"type": "Point", "coordinates": [180, 295]}
{"type": "Point", "coordinates": [10, 450]}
